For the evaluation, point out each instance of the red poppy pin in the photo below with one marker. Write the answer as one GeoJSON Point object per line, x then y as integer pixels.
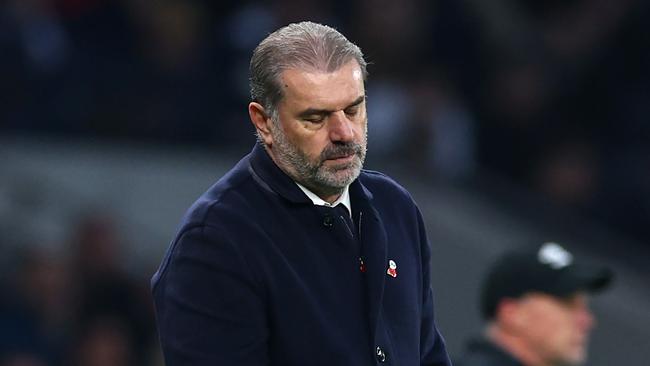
{"type": "Point", "coordinates": [392, 268]}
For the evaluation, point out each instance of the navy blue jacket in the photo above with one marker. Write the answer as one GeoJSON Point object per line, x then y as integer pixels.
{"type": "Point", "coordinates": [259, 275]}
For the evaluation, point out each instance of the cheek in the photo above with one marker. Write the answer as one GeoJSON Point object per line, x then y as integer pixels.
{"type": "Point", "coordinates": [306, 141]}
{"type": "Point", "coordinates": [553, 332]}
{"type": "Point", "coordinates": [313, 145]}
{"type": "Point", "coordinates": [362, 126]}
{"type": "Point", "coordinates": [541, 325]}
{"type": "Point", "coordinates": [543, 330]}
{"type": "Point", "coordinates": [362, 132]}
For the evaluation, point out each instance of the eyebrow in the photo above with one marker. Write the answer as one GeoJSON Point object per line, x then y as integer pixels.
{"type": "Point", "coordinates": [314, 111]}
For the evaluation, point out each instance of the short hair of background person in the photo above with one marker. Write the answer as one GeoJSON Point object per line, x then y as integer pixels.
{"type": "Point", "coordinates": [536, 305]}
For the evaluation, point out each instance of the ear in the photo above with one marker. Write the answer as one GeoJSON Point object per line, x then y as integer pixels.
{"type": "Point", "coordinates": [261, 121]}
{"type": "Point", "coordinates": [509, 314]}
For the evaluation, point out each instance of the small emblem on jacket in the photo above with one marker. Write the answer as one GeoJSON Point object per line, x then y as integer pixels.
{"type": "Point", "coordinates": [362, 266]}
{"type": "Point", "coordinates": [392, 268]}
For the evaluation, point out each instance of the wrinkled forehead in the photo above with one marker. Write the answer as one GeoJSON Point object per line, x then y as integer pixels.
{"type": "Point", "coordinates": [311, 86]}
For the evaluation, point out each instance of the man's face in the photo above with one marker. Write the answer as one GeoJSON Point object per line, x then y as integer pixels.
{"type": "Point", "coordinates": [557, 328]}
{"type": "Point", "coordinates": [320, 138]}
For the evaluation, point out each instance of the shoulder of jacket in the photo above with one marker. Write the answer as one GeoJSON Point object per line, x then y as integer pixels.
{"type": "Point", "coordinates": [379, 182]}
{"type": "Point", "coordinates": [229, 197]}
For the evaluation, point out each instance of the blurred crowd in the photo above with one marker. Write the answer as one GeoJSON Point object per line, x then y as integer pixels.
{"type": "Point", "coordinates": [551, 95]}
{"type": "Point", "coordinates": [548, 94]}
{"type": "Point", "coordinates": [76, 306]}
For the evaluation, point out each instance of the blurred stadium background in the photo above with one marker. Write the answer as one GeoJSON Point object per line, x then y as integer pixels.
{"type": "Point", "coordinates": [508, 120]}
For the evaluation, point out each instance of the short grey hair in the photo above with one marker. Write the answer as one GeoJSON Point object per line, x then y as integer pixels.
{"type": "Point", "coordinates": [307, 46]}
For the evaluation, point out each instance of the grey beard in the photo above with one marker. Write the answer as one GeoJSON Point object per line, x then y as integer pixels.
{"type": "Point", "coordinates": [316, 176]}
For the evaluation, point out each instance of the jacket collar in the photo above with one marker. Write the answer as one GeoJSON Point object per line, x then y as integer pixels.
{"type": "Point", "coordinates": [270, 175]}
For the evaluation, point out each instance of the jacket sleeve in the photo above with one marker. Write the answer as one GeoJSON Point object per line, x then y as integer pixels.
{"type": "Point", "coordinates": [433, 351]}
{"type": "Point", "coordinates": [209, 308]}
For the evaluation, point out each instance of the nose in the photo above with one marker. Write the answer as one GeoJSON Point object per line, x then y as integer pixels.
{"type": "Point", "coordinates": [340, 127]}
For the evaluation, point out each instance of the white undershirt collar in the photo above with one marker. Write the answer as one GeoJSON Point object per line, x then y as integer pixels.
{"type": "Point", "coordinates": [344, 198]}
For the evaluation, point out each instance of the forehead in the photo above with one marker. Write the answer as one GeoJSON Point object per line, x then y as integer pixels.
{"type": "Point", "coordinates": [321, 89]}
{"type": "Point", "coordinates": [548, 303]}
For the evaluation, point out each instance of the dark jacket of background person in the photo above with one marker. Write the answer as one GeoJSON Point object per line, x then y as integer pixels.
{"type": "Point", "coordinates": [480, 352]}
{"type": "Point", "coordinates": [259, 275]}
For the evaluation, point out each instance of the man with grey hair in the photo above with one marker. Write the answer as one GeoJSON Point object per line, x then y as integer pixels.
{"type": "Point", "coordinates": [297, 256]}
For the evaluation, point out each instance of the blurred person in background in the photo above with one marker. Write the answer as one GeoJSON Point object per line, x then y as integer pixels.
{"type": "Point", "coordinates": [23, 360]}
{"type": "Point", "coordinates": [76, 306]}
{"type": "Point", "coordinates": [112, 312]}
{"type": "Point", "coordinates": [297, 256]}
{"type": "Point", "coordinates": [104, 342]}
{"type": "Point", "coordinates": [34, 310]}
{"type": "Point", "coordinates": [536, 306]}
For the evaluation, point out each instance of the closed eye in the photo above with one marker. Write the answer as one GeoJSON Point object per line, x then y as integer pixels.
{"type": "Point", "coordinates": [314, 118]}
{"type": "Point", "coordinates": [352, 111]}
{"type": "Point", "coordinates": [313, 115]}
